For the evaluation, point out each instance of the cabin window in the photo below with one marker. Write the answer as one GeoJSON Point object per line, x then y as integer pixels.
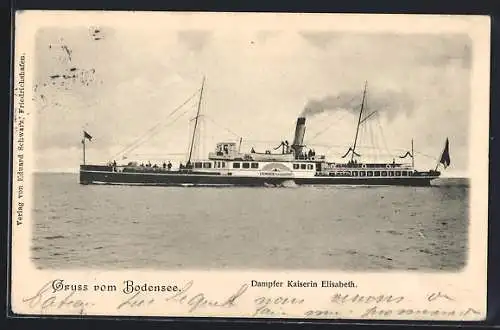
{"type": "Point", "coordinates": [309, 166]}
{"type": "Point", "coordinates": [295, 166]}
{"type": "Point", "coordinates": [246, 165]}
{"type": "Point", "coordinates": [302, 166]}
{"type": "Point", "coordinates": [354, 173]}
{"type": "Point", "coordinates": [236, 165]}
{"type": "Point", "coordinates": [223, 164]}
{"type": "Point", "coordinates": [332, 173]}
{"type": "Point", "coordinates": [384, 173]}
{"type": "Point", "coordinates": [198, 165]}
{"type": "Point", "coordinates": [207, 165]}
{"type": "Point", "coordinates": [398, 173]}
{"type": "Point", "coordinates": [405, 173]}
{"type": "Point", "coordinates": [255, 165]}
{"type": "Point", "coordinates": [362, 173]}
{"type": "Point", "coordinates": [369, 173]}
{"type": "Point", "coordinates": [391, 173]}
{"type": "Point", "coordinates": [377, 173]}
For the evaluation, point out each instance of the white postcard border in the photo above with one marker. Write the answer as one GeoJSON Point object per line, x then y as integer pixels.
{"type": "Point", "coordinates": [380, 295]}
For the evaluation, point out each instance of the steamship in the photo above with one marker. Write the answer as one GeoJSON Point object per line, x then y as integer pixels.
{"type": "Point", "coordinates": [295, 164]}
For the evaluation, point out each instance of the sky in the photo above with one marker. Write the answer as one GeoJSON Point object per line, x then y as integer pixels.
{"type": "Point", "coordinates": [118, 83]}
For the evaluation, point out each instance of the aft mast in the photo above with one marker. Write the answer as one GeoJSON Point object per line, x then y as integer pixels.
{"type": "Point", "coordinates": [359, 122]}
{"type": "Point", "coordinates": [85, 136]}
{"type": "Point", "coordinates": [196, 122]}
{"type": "Point", "coordinates": [412, 156]}
{"type": "Point", "coordinates": [83, 143]}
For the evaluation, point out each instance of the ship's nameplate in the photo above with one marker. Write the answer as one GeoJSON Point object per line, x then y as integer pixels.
{"type": "Point", "coordinates": [275, 169]}
{"type": "Point", "coordinates": [276, 174]}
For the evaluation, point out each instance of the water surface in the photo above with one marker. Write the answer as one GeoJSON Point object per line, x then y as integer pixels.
{"type": "Point", "coordinates": [329, 228]}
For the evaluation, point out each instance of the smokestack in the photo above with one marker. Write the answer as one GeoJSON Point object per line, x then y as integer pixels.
{"type": "Point", "coordinates": [300, 130]}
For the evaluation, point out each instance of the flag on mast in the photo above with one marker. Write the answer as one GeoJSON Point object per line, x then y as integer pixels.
{"type": "Point", "coordinates": [445, 157]}
{"type": "Point", "coordinates": [87, 135]}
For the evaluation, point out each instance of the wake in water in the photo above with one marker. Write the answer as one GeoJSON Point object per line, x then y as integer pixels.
{"type": "Point", "coordinates": [284, 184]}
{"type": "Point", "coordinates": [289, 184]}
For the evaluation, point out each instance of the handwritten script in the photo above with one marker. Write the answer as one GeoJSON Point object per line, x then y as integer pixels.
{"type": "Point", "coordinates": [188, 297]}
{"type": "Point", "coordinates": [52, 298]}
{"type": "Point", "coordinates": [48, 299]}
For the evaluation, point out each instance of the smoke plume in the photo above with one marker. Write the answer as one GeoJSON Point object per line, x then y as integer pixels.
{"type": "Point", "coordinates": [386, 102]}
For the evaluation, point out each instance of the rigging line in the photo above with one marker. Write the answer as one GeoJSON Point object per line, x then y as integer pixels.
{"type": "Point", "coordinates": [196, 121]}
{"type": "Point", "coordinates": [327, 128]}
{"type": "Point", "coordinates": [361, 145]}
{"type": "Point", "coordinates": [363, 137]}
{"type": "Point", "coordinates": [227, 129]}
{"type": "Point", "coordinates": [425, 155]}
{"type": "Point", "coordinates": [369, 146]}
{"type": "Point", "coordinates": [330, 146]}
{"type": "Point", "coordinates": [204, 151]}
{"type": "Point", "coordinates": [376, 141]}
{"type": "Point", "coordinates": [336, 153]}
{"type": "Point", "coordinates": [382, 133]}
{"type": "Point", "coordinates": [201, 138]}
{"type": "Point", "coordinates": [335, 146]}
{"type": "Point", "coordinates": [159, 124]}
{"type": "Point", "coordinates": [261, 141]}
{"type": "Point", "coordinates": [166, 125]}
{"type": "Point", "coordinates": [370, 129]}
{"type": "Point", "coordinates": [147, 136]}
{"type": "Point", "coordinates": [189, 137]}
{"type": "Point", "coordinates": [138, 143]}
{"type": "Point", "coordinates": [144, 138]}
{"type": "Point", "coordinates": [170, 114]}
{"type": "Point", "coordinates": [195, 150]}
{"type": "Point", "coordinates": [360, 138]}
{"type": "Point", "coordinates": [337, 120]}
{"type": "Point", "coordinates": [364, 154]}
{"type": "Point", "coordinates": [372, 140]}
{"type": "Point", "coordinates": [151, 131]}
{"type": "Point", "coordinates": [366, 118]}
{"type": "Point", "coordinates": [171, 123]}
{"type": "Point", "coordinates": [359, 119]}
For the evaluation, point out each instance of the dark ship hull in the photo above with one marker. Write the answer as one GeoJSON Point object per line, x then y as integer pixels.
{"type": "Point", "coordinates": [92, 174]}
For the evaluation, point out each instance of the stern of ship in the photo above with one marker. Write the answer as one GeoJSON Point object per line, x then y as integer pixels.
{"type": "Point", "coordinates": [425, 178]}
